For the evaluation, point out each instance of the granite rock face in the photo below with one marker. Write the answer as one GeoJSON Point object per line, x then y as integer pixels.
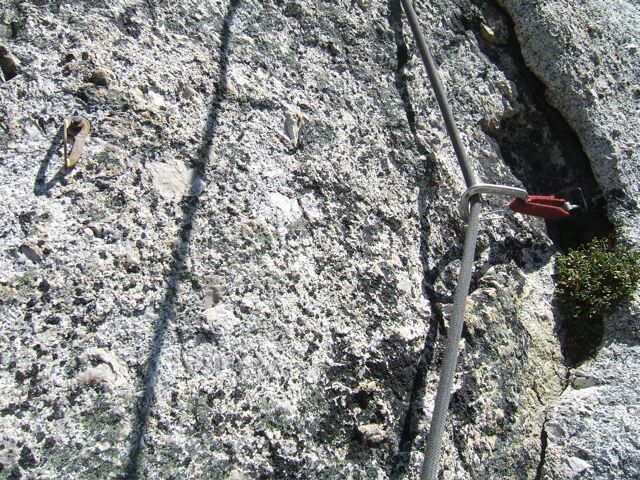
{"type": "Point", "coordinates": [592, 429]}
{"type": "Point", "coordinates": [586, 54]}
{"type": "Point", "coordinates": [249, 270]}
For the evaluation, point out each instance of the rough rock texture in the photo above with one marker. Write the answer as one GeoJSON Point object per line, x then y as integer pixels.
{"type": "Point", "coordinates": [592, 430]}
{"type": "Point", "coordinates": [587, 53]}
{"type": "Point", "coordinates": [248, 271]}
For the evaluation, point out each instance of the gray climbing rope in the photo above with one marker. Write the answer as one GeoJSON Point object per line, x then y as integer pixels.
{"type": "Point", "coordinates": [436, 83]}
{"type": "Point", "coordinates": [450, 359]}
{"type": "Point", "coordinates": [452, 346]}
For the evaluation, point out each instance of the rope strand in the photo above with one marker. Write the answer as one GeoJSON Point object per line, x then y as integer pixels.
{"type": "Point", "coordinates": [430, 465]}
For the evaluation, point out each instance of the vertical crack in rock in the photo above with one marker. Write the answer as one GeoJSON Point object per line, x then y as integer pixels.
{"type": "Point", "coordinates": [416, 400]}
{"type": "Point", "coordinates": [543, 452]}
{"type": "Point", "coordinates": [462, 408]}
{"type": "Point", "coordinates": [167, 311]}
{"type": "Point", "coordinates": [416, 404]}
{"type": "Point", "coordinates": [402, 56]}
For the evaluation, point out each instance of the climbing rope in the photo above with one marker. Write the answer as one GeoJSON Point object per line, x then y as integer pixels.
{"type": "Point", "coordinates": [548, 207]}
{"type": "Point", "coordinates": [450, 359]}
{"type": "Point", "coordinates": [436, 83]}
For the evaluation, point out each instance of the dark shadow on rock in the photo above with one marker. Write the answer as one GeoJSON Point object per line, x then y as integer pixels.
{"type": "Point", "coordinates": [167, 313]}
{"type": "Point", "coordinates": [579, 341]}
{"type": "Point", "coordinates": [415, 408]}
{"type": "Point", "coordinates": [42, 185]}
{"type": "Point", "coordinates": [393, 367]}
{"type": "Point", "coordinates": [402, 57]}
{"type": "Point", "coordinates": [528, 254]}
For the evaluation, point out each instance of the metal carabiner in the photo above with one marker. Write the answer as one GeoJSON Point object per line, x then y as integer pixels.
{"type": "Point", "coordinates": [479, 188]}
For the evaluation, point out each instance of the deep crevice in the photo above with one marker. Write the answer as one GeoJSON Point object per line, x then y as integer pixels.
{"type": "Point", "coordinates": [415, 407]}
{"type": "Point", "coordinates": [538, 144]}
{"type": "Point", "coordinates": [545, 154]}
{"type": "Point", "coordinates": [543, 452]}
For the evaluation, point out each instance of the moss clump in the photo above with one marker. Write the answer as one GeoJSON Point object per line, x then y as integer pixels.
{"type": "Point", "coordinates": [590, 283]}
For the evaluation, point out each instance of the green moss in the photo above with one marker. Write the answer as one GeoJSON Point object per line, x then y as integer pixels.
{"type": "Point", "coordinates": [590, 283]}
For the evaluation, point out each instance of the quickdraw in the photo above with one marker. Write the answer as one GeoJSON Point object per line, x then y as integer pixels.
{"type": "Point", "coordinates": [548, 207]}
{"type": "Point", "coordinates": [470, 207]}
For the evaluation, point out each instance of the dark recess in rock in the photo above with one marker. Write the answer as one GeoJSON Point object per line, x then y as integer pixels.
{"type": "Point", "coordinates": [545, 154]}
{"type": "Point", "coordinates": [7, 64]}
{"type": "Point", "coordinates": [543, 451]}
{"type": "Point", "coordinates": [527, 142]}
{"type": "Point", "coordinates": [27, 459]}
